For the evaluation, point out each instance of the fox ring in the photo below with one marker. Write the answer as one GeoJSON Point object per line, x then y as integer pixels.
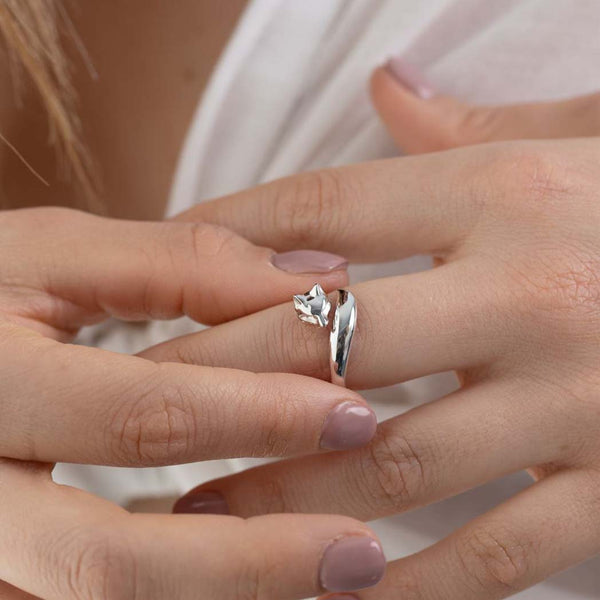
{"type": "Point", "coordinates": [314, 307]}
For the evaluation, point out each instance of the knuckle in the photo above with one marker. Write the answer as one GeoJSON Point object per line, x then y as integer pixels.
{"type": "Point", "coordinates": [564, 283]}
{"type": "Point", "coordinates": [157, 427]}
{"type": "Point", "coordinates": [192, 240]}
{"type": "Point", "coordinates": [394, 470]}
{"type": "Point", "coordinates": [210, 244]}
{"type": "Point", "coordinates": [309, 209]}
{"type": "Point", "coordinates": [210, 241]}
{"type": "Point", "coordinates": [93, 565]}
{"type": "Point", "coordinates": [535, 178]}
{"type": "Point", "coordinates": [493, 559]}
{"type": "Point", "coordinates": [560, 272]}
{"type": "Point", "coordinates": [280, 429]}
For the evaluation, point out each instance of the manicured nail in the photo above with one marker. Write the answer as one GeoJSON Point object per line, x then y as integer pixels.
{"type": "Point", "coordinates": [341, 597]}
{"type": "Point", "coordinates": [309, 261]}
{"type": "Point", "coordinates": [209, 503]}
{"type": "Point", "coordinates": [352, 563]}
{"type": "Point", "coordinates": [348, 425]}
{"type": "Point", "coordinates": [410, 77]}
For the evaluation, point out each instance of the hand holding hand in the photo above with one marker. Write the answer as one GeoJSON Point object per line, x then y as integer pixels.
{"type": "Point", "coordinates": [62, 269]}
{"type": "Point", "coordinates": [513, 307]}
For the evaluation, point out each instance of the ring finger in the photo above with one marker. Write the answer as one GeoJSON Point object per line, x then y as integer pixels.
{"type": "Point", "coordinates": [408, 326]}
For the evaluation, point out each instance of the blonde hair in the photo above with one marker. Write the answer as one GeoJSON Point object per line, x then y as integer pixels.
{"type": "Point", "coordinates": [33, 32]}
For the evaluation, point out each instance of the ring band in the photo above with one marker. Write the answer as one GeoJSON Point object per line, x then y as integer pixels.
{"type": "Point", "coordinates": [314, 307]}
{"type": "Point", "coordinates": [340, 338]}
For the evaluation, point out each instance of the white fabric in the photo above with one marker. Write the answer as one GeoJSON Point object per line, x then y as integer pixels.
{"type": "Point", "coordinates": [290, 94]}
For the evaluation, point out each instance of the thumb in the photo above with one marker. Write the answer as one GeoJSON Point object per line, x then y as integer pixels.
{"type": "Point", "coordinates": [421, 120]}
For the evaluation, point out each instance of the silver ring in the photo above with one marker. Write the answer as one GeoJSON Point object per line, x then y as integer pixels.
{"type": "Point", "coordinates": [314, 307]}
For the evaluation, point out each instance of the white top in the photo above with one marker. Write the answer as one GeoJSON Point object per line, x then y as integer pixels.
{"type": "Point", "coordinates": [290, 94]}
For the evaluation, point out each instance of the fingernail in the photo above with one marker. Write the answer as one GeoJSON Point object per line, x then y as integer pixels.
{"type": "Point", "coordinates": [309, 261]}
{"type": "Point", "coordinates": [348, 425]}
{"type": "Point", "coordinates": [352, 563]}
{"type": "Point", "coordinates": [208, 503]}
{"type": "Point", "coordinates": [410, 77]}
{"type": "Point", "coordinates": [340, 597]}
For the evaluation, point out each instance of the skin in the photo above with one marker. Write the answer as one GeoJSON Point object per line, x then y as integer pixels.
{"type": "Point", "coordinates": [521, 333]}
{"type": "Point", "coordinates": [64, 402]}
{"type": "Point", "coordinates": [135, 114]}
{"type": "Point", "coordinates": [512, 307]}
{"type": "Point", "coordinates": [63, 269]}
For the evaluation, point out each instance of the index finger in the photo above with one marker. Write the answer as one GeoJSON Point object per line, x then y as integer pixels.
{"type": "Point", "coordinates": [372, 211]}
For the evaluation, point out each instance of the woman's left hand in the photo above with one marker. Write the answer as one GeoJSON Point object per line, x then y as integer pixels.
{"type": "Point", "coordinates": [514, 307]}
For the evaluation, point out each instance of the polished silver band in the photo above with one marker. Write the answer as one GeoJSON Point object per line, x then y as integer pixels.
{"type": "Point", "coordinates": [340, 338]}
{"type": "Point", "coordinates": [314, 307]}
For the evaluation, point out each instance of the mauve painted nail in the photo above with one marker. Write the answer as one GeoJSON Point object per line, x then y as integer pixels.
{"type": "Point", "coordinates": [309, 261]}
{"type": "Point", "coordinates": [352, 563]}
{"type": "Point", "coordinates": [348, 425]}
{"type": "Point", "coordinates": [209, 503]}
{"type": "Point", "coordinates": [408, 76]}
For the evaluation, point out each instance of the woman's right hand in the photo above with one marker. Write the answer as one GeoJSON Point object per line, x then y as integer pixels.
{"type": "Point", "coordinates": [63, 269]}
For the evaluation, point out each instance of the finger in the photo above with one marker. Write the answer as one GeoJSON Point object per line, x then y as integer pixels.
{"type": "Point", "coordinates": [92, 266]}
{"type": "Point", "coordinates": [407, 327]}
{"type": "Point", "coordinates": [545, 529]}
{"type": "Point", "coordinates": [427, 454]}
{"type": "Point", "coordinates": [372, 211]}
{"type": "Point", "coordinates": [63, 544]}
{"type": "Point", "coordinates": [420, 120]}
{"type": "Point", "coordinates": [79, 404]}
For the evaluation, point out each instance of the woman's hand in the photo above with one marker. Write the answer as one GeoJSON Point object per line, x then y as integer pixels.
{"type": "Point", "coordinates": [514, 307]}
{"type": "Point", "coordinates": [62, 269]}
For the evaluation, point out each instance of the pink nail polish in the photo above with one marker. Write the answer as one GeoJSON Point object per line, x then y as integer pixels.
{"type": "Point", "coordinates": [409, 77]}
{"type": "Point", "coordinates": [352, 563]}
{"type": "Point", "coordinates": [348, 425]}
{"type": "Point", "coordinates": [309, 261]}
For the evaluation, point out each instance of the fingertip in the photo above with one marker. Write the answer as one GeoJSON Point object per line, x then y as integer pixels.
{"type": "Point", "coordinates": [409, 77]}
{"type": "Point", "coordinates": [348, 426]}
{"type": "Point", "coordinates": [407, 116]}
{"type": "Point", "coordinates": [379, 80]}
{"type": "Point", "coordinates": [204, 502]}
{"type": "Point", "coordinates": [397, 82]}
{"type": "Point", "coordinates": [352, 563]}
{"type": "Point", "coordinates": [418, 119]}
{"type": "Point", "coordinates": [384, 90]}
